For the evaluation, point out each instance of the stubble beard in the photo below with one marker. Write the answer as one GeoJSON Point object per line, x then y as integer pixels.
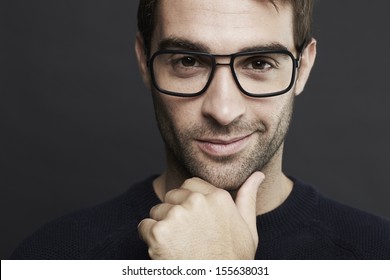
{"type": "Point", "coordinates": [228, 172]}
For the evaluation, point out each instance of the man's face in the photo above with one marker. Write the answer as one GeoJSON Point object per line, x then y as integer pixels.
{"type": "Point", "coordinates": [223, 136]}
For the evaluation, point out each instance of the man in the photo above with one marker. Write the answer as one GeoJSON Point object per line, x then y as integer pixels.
{"type": "Point", "coordinates": [224, 76]}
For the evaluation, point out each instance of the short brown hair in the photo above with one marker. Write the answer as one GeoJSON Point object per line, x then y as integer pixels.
{"type": "Point", "coordinates": [303, 11]}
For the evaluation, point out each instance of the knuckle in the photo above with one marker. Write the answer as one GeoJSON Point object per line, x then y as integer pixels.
{"type": "Point", "coordinates": [159, 231]}
{"type": "Point", "coordinates": [196, 198]}
{"type": "Point", "coordinates": [153, 210]}
{"type": "Point", "coordinates": [188, 182]}
{"type": "Point", "coordinates": [169, 194]}
{"type": "Point", "coordinates": [176, 211]}
{"type": "Point", "coordinates": [221, 196]}
{"type": "Point", "coordinates": [140, 225]}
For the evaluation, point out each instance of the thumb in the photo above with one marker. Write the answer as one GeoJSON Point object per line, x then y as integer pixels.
{"type": "Point", "coordinates": [246, 199]}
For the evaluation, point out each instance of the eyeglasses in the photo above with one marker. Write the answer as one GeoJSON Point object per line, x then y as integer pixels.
{"type": "Point", "coordinates": [257, 74]}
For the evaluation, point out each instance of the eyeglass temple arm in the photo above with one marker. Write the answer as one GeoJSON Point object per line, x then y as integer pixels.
{"type": "Point", "coordinates": [301, 49]}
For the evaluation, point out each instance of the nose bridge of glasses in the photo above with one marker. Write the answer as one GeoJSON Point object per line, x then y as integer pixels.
{"type": "Point", "coordinates": [222, 64]}
{"type": "Point", "coordinates": [223, 60]}
{"type": "Point", "coordinates": [224, 77]}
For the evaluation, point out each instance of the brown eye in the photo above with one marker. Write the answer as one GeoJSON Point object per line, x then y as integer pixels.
{"type": "Point", "coordinates": [260, 65]}
{"type": "Point", "coordinates": [188, 61]}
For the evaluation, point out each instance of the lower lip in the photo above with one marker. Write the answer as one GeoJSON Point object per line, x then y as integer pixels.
{"type": "Point", "coordinates": [223, 150]}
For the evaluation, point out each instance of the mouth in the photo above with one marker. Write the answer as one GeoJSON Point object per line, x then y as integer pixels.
{"type": "Point", "coordinates": [219, 147]}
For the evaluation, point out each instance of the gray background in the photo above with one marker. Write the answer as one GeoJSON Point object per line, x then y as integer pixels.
{"type": "Point", "coordinates": [77, 125]}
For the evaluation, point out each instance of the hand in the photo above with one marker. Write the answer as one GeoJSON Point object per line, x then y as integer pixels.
{"type": "Point", "coordinates": [200, 221]}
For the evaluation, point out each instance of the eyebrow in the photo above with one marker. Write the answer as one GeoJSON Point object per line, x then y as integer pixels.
{"type": "Point", "coordinates": [267, 47]}
{"type": "Point", "coordinates": [184, 44]}
{"type": "Point", "coordinates": [179, 43]}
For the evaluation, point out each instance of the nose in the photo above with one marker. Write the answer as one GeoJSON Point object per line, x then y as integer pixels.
{"type": "Point", "coordinates": [223, 100]}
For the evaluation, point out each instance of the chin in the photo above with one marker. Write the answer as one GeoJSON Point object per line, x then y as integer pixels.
{"type": "Point", "coordinates": [225, 179]}
{"type": "Point", "coordinates": [227, 187]}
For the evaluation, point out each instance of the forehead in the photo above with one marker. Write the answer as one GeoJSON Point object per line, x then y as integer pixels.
{"type": "Point", "coordinates": [224, 26]}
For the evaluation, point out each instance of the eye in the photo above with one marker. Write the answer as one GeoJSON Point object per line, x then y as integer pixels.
{"type": "Point", "coordinates": [188, 61]}
{"type": "Point", "coordinates": [186, 65]}
{"type": "Point", "coordinates": [185, 61]}
{"type": "Point", "coordinates": [259, 64]}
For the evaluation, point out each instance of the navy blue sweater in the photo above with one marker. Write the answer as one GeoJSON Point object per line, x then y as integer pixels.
{"type": "Point", "coordinates": [306, 226]}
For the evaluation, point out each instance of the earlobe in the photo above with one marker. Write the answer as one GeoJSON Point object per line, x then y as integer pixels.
{"type": "Point", "coordinates": [142, 60]}
{"type": "Point", "coordinates": [307, 62]}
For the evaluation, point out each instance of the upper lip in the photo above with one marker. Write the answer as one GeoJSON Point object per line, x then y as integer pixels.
{"type": "Point", "coordinates": [222, 141]}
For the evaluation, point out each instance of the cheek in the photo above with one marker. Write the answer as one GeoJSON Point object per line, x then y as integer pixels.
{"type": "Point", "coordinates": [174, 112]}
{"type": "Point", "coordinates": [265, 110]}
{"type": "Point", "coordinates": [270, 111]}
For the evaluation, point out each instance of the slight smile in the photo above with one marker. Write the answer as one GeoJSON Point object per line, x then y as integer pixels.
{"type": "Point", "coordinates": [223, 147]}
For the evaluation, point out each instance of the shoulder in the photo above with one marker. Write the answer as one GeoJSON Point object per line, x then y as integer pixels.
{"type": "Point", "coordinates": [81, 234]}
{"type": "Point", "coordinates": [365, 235]}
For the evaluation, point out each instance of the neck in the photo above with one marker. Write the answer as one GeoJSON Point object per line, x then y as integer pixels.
{"type": "Point", "coordinates": [272, 193]}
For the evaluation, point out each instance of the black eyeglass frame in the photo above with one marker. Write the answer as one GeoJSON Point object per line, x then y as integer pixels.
{"type": "Point", "coordinates": [295, 66]}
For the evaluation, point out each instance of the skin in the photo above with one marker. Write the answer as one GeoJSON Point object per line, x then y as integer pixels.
{"type": "Point", "coordinates": [210, 199]}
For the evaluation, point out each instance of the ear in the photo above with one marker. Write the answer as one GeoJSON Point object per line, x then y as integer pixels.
{"type": "Point", "coordinates": [142, 60]}
{"type": "Point", "coordinates": [306, 64]}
